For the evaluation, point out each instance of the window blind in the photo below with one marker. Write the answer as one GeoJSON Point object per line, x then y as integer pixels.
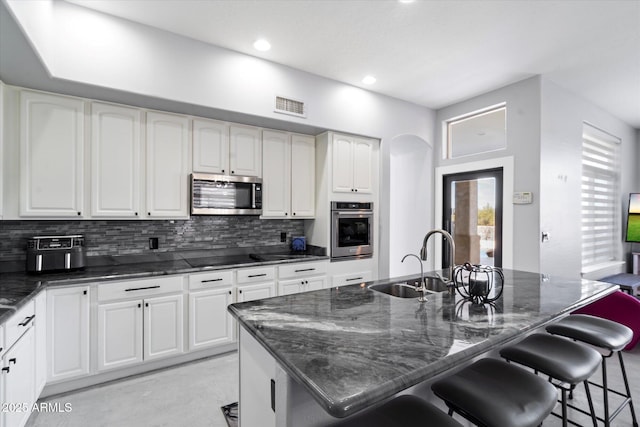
{"type": "Point", "coordinates": [600, 197]}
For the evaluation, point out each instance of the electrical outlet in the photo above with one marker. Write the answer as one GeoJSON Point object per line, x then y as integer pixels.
{"type": "Point", "coordinates": [283, 237]}
{"type": "Point", "coordinates": [153, 243]}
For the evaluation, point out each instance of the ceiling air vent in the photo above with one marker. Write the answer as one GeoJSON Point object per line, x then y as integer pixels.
{"type": "Point", "coordinates": [290, 106]}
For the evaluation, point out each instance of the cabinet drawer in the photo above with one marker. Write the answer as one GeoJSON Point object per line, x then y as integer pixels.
{"type": "Point", "coordinates": [209, 280]}
{"type": "Point", "coordinates": [19, 323]}
{"type": "Point", "coordinates": [259, 274]}
{"type": "Point", "coordinates": [139, 288]}
{"type": "Point", "coordinates": [302, 269]}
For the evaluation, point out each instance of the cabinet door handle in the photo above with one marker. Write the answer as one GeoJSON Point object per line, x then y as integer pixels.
{"type": "Point", "coordinates": [257, 275]}
{"type": "Point", "coordinates": [12, 360]}
{"type": "Point", "coordinates": [229, 294]}
{"type": "Point", "coordinates": [79, 213]}
{"type": "Point", "coordinates": [305, 269]}
{"type": "Point", "coordinates": [240, 290]}
{"type": "Point", "coordinates": [84, 292]}
{"type": "Point", "coordinates": [5, 369]}
{"type": "Point", "coordinates": [142, 289]}
{"type": "Point", "coordinates": [211, 280]}
{"type": "Point", "coordinates": [139, 305]}
{"type": "Point", "coordinates": [27, 320]}
{"type": "Point", "coordinates": [146, 304]}
{"type": "Point", "coordinates": [355, 278]}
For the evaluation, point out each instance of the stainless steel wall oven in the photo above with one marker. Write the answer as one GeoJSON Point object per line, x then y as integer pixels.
{"type": "Point", "coordinates": [351, 230]}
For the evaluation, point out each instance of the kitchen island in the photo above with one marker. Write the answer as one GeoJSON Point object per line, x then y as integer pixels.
{"type": "Point", "coordinates": [311, 358]}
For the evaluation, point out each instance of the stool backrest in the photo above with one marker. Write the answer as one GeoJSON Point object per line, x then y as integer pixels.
{"type": "Point", "coordinates": [619, 307]}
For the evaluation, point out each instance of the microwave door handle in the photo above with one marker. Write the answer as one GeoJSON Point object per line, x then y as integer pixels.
{"type": "Point", "coordinates": [253, 196]}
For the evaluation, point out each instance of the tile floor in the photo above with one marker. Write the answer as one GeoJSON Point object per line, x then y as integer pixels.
{"type": "Point", "coordinates": [191, 395]}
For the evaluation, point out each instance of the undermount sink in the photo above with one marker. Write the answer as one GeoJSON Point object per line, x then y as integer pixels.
{"type": "Point", "coordinates": [407, 289]}
{"type": "Point", "coordinates": [400, 290]}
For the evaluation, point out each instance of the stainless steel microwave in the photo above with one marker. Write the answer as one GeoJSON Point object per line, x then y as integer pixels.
{"type": "Point", "coordinates": [213, 194]}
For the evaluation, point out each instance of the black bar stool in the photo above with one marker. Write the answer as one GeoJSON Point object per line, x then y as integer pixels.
{"type": "Point", "coordinates": [402, 411]}
{"type": "Point", "coordinates": [609, 336]}
{"type": "Point", "coordinates": [493, 393]}
{"type": "Point", "coordinates": [568, 362]}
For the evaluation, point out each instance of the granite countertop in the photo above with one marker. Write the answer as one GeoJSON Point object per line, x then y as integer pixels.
{"type": "Point", "coordinates": [17, 288]}
{"type": "Point", "coordinates": [352, 347]}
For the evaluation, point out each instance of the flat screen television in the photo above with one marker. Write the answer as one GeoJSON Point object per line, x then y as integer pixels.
{"type": "Point", "coordinates": [633, 218]}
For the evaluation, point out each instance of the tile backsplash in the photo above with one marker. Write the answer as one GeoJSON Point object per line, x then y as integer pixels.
{"type": "Point", "coordinates": [132, 237]}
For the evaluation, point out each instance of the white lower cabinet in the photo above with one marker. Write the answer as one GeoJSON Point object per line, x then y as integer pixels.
{"type": "Point", "coordinates": [67, 333]}
{"type": "Point", "coordinates": [256, 283]}
{"type": "Point", "coordinates": [40, 342]}
{"type": "Point", "coordinates": [294, 286]}
{"type": "Point", "coordinates": [256, 291]}
{"type": "Point", "coordinates": [302, 277]}
{"type": "Point", "coordinates": [119, 334]}
{"type": "Point", "coordinates": [18, 381]}
{"type": "Point", "coordinates": [352, 278]}
{"type": "Point", "coordinates": [130, 332]}
{"type": "Point", "coordinates": [209, 322]}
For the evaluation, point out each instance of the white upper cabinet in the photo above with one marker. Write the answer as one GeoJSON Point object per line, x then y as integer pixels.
{"type": "Point", "coordinates": [115, 161]}
{"type": "Point", "coordinates": [352, 164]}
{"type": "Point", "coordinates": [303, 176]}
{"type": "Point", "coordinates": [167, 164]}
{"type": "Point", "coordinates": [288, 175]}
{"type": "Point", "coordinates": [245, 151]}
{"type": "Point", "coordinates": [210, 146]}
{"type": "Point", "coordinates": [51, 155]}
{"type": "Point", "coordinates": [276, 178]}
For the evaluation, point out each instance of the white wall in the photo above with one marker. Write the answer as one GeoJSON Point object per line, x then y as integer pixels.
{"type": "Point", "coordinates": [410, 211]}
{"type": "Point", "coordinates": [563, 115]}
{"type": "Point", "coordinates": [523, 144]}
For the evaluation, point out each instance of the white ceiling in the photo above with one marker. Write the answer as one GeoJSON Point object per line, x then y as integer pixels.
{"type": "Point", "coordinates": [433, 53]}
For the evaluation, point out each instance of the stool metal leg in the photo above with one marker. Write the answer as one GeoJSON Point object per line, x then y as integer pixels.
{"type": "Point", "coordinates": [628, 390]}
{"type": "Point", "coordinates": [605, 393]}
{"type": "Point", "coordinates": [594, 419]}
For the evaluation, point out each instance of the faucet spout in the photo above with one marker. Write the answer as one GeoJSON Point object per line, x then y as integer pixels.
{"type": "Point", "coordinates": [452, 248]}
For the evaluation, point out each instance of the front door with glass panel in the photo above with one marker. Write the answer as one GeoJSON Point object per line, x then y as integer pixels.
{"type": "Point", "coordinates": [472, 213]}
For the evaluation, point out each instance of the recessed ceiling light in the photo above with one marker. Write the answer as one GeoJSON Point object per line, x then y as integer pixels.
{"type": "Point", "coordinates": [406, 1]}
{"type": "Point", "coordinates": [369, 80]}
{"type": "Point", "coordinates": [262, 45]}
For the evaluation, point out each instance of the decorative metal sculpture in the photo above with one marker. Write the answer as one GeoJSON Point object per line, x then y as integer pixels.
{"type": "Point", "coordinates": [478, 283]}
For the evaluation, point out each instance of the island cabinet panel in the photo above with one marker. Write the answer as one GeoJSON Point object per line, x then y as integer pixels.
{"type": "Point", "coordinates": [210, 146]}
{"type": "Point", "coordinates": [167, 155]}
{"type": "Point", "coordinates": [116, 149]}
{"type": "Point", "coordinates": [18, 380]}
{"type": "Point", "coordinates": [209, 322]}
{"type": "Point", "coordinates": [51, 155]}
{"type": "Point", "coordinates": [257, 372]}
{"type": "Point", "coordinates": [68, 333]}
{"type": "Point", "coordinates": [305, 284]}
{"type": "Point", "coordinates": [245, 151]}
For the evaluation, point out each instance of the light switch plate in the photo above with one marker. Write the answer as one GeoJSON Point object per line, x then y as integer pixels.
{"type": "Point", "coordinates": [522, 197]}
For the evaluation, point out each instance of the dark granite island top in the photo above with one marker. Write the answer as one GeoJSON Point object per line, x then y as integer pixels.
{"type": "Point", "coordinates": [351, 347]}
